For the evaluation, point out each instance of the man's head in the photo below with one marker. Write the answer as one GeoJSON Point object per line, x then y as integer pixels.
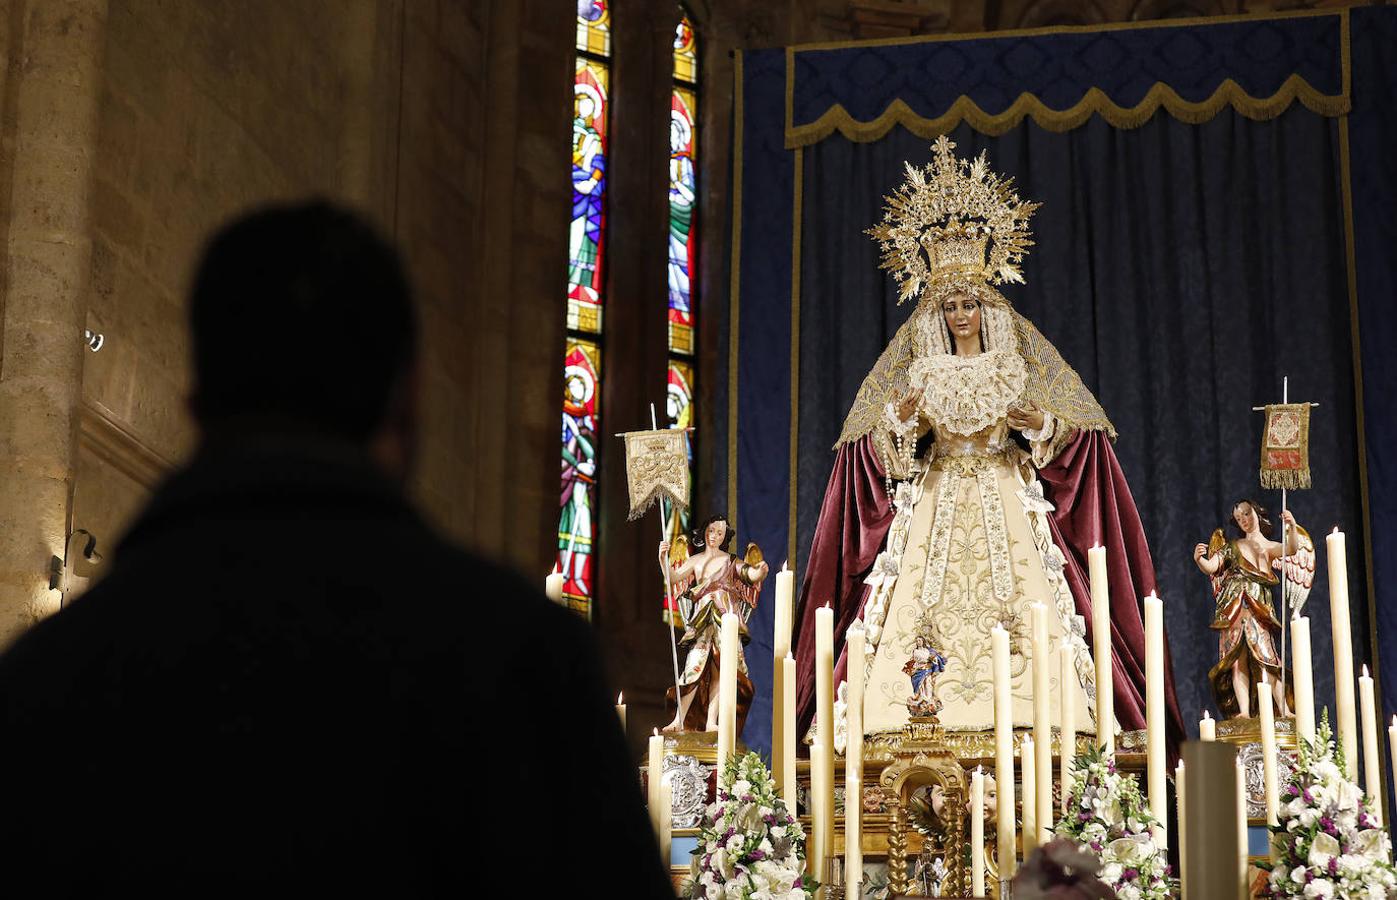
{"type": "Point", "coordinates": [302, 322]}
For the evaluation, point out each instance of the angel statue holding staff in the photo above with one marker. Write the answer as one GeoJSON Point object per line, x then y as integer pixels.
{"type": "Point", "coordinates": [973, 473]}
{"type": "Point", "coordinates": [706, 584]}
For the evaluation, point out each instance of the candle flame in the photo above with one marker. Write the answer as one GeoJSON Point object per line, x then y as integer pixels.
{"type": "Point", "coordinates": [1179, 767]}
{"type": "Point", "coordinates": [619, 701]}
{"type": "Point", "coordinates": [1206, 714]}
{"type": "Point", "coordinates": [1365, 671]}
{"type": "Point", "coordinates": [556, 569]}
{"type": "Point", "coordinates": [1336, 530]}
{"type": "Point", "coordinates": [655, 732]}
{"type": "Point", "coordinates": [784, 567]}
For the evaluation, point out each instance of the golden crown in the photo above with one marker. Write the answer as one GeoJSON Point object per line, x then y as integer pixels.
{"type": "Point", "coordinates": [953, 218]}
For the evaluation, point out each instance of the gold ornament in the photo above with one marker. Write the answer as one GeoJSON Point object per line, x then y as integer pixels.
{"type": "Point", "coordinates": [953, 219]}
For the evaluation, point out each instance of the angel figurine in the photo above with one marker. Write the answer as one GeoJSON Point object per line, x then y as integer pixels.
{"type": "Point", "coordinates": [1243, 570]}
{"type": "Point", "coordinates": [707, 581]}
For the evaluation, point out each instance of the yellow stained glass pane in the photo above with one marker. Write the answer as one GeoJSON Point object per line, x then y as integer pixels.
{"type": "Point", "coordinates": [594, 26]}
{"type": "Point", "coordinates": [685, 51]}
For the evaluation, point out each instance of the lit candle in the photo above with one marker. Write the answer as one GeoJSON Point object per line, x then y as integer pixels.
{"type": "Point", "coordinates": [1303, 678]}
{"type": "Point", "coordinates": [780, 649]}
{"type": "Point", "coordinates": [824, 723]}
{"type": "Point", "coordinates": [788, 734]}
{"type": "Point", "coordinates": [1154, 715]}
{"type": "Point", "coordinates": [621, 711]}
{"type": "Point", "coordinates": [1265, 705]}
{"type": "Point", "coordinates": [1003, 749]}
{"type": "Point", "coordinates": [1042, 726]}
{"type": "Point", "coordinates": [1101, 646]}
{"type": "Point", "coordinates": [1372, 768]}
{"type": "Point", "coordinates": [727, 687]}
{"type": "Point", "coordinates": [553, 585]}
{"type": "Point", "coordinates": [815, 859]}
{"type": "Point", "coordinates": [666, 824]}
{"type": "Point", "coordinates": [1180, 792]}
{"type": "Point", "coordinates": [1067, 728]}
{"type": "Point", "coordinates": [1207, 727]}
{"type": "Point", "coordinates": [1029, 840]}
{"type": "Point", "coordinates": [1343, 650]}
{"type": "Point", "coordinates": [1243, 888]}
{"type": "Point", "coordinates": [853, 762]}
{"type": "Point", "coordinates": [977, 831]}
{"type": "Point", "coordinates": [653, 771]}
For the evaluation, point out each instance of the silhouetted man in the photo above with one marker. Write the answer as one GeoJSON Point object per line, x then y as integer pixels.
{"type": "Point", "coordinates": [288, 682]}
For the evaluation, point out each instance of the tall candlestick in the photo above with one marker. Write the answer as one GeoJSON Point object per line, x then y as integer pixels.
{"type": "Point", "coordinates": [1003, 749]}
{"type": "Point", "coordinates": [1042, 726]}
{"type": "Point", "coordinates": [824, 724]}
{"type": "Point", "coordinates": [666, 824]}
{"type": "Point", "coordinates": [815, 858]}
{"type": "Point", "coordinates": [1101, 646]}
{"type": "Point", "coordinates": [780, 649]}
{"type": "Point", "coordinates": [1303, 678]}
{"type": "Point", "coordinates": [853, 764]}
{"type": "Point", "coordinates": [553, 586]}
{"type": "Point", "coordinates": [1067, 727]}
{"type": "Point", "coordinates": [977, 831]}
{"type": "Point", "coordinates": [1243, 863]}
{"type": "Point", "coordinates": [1207, 727]}
{"type": "Point", "coordinates": [1266, 707]}
{"type": "Point", "coordinates": [1343, 650]}
{"type": "Point", "coordinates": [727, 688]}
{"type": "Point", "coordinates": [1372, 766]}
{"type": "Point", "coordinates": [621, 711]}
{"type": "Point", "coordinates": [652, 779]}
{"type": "Point", "coordinates": [1154, 715]}
{"type": "Point", "coordinates": [788, 734]}
{"type": "Point", "coordinates": [1029, 840]}
{"type": "Point", "coordinates": [1211, 829]}
{"type": "Point", "coordinates": [1181, 792]}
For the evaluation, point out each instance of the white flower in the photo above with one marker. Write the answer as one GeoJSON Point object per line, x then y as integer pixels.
{"type": "Point", "coordinates": [1324, 848]}
{"type": "Point", "coordinates": [1130, 851]}
{"type": "Point", "coordinates": [1320, 887]}
{"type": "Point", "coordinates": [1298, 875]}
{"type": "Point", "coordinates": [741, 788]}
{"type": "Point", "coordinates": [735, 842]}
{"type": "Point", "coordinates": [733, 890]}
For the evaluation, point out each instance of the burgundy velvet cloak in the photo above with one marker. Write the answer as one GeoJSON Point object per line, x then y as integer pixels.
{"type": "Point", "coordinates": [1093, 505]}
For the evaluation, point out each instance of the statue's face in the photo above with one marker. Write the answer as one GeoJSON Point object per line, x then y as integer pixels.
{"type": "Point", "coordinates": [713, 537]}
{"type": "Point", "coordinates": [962, 313]}
{"type": "Point", "coordinates": [1245, 517]}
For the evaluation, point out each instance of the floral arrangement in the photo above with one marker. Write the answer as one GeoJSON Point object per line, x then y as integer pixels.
{"type": "Point", "coordinates": [1109, 819]}
{"type": "Point", "coordinates": [1327, 839]}
{"type": "Point", "coordinates": [750, 845]}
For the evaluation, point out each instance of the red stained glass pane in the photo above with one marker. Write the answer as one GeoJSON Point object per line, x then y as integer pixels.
{"type": "Point", "coordinates": [581, 440]}
{"type": "Point", "coordinates": [587, 237]}
{"type": "Point", "coordinates": [683, 239]}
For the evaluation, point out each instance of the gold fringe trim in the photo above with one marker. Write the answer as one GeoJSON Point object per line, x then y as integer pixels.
{"type": "Point", "coordinates": [1286, 479]}
{"type": "Point", "coordinates": [1093, 102]}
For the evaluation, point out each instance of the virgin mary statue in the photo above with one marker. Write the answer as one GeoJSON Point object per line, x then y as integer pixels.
{"type": "Point", "coordinates": [973, 472]}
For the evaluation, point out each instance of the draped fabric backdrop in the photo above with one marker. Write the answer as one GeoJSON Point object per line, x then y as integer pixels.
{"type": "Point", "coordinates": [1186, 258]}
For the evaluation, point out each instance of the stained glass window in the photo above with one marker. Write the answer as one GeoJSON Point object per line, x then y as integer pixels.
{"type": "Point", "coordinates": [682, 201]}
{"type": "Point", "coordinates": [587, 238]}
{"type": "Point", "coordinates": [685, 52]}
{"type": "Point", "coordinates": [582, 370]}
{"type": "Point", "coordinates": [577, 522]}
{"type": "Point", "coordinates": [594, 26]}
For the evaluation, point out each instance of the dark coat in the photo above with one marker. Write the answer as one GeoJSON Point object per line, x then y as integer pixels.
{"type": "Point", "coordinates": [289, 682]}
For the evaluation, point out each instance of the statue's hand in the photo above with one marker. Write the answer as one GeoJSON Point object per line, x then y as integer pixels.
{"type": "Point", "coordinates": [1289, 518]}
{"type": "Point", "coordinates": [1025, 417]}
{"type": "Point", "coordinates": [907, 404]}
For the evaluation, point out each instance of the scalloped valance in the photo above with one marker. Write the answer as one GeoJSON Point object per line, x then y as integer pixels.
{"type": "Point", "coordinates": [1193, 69]}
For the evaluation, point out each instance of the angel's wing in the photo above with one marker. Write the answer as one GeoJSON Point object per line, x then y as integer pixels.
{"type": "Point", "coordinates": [679, 602]}
{"type": "Point", "coordinates": [753, 555]}
{"type": "Point", "coordinates": [1216, 543]}
{"type": "Point", "coordinates": [1297, 572]}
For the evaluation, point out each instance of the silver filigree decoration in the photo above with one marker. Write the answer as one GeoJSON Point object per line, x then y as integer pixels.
{"type": "Point", "coordinates": [688, 789]}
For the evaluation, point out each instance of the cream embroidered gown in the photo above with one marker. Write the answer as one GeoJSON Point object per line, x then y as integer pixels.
{"type": "Point", "coordinates": [970, 545]}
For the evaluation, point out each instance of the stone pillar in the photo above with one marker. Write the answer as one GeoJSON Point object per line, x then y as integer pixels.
{"type": "Point", "coordinates": [50, 122]}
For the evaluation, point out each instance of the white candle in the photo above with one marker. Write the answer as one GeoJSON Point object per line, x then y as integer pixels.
{"type": "Point", "coordinates": [666, 824]}
{"type": "Point", "coordinates": [1243, 888]}
{"type": "Point", "coordinates": [788, 734]}
{"type": "Point", "coordinates": [815, 858]}
{"type": "Point", "coordinates": [1207, 727]}
{"type": "Point", "coordinates": [977, 831]}
{"type": "Point", "coordinates": [824, 722]}
{"type": "Point", "coordinates": [1101, 646]}
{"type": "Point", "coordinates": [1303, 678]}
{"type": "Point", "coordinates": [1372, 767]}
{"type": "Point", "coordinates": [1266, 706]}
{"type": "Point", "coordinates": [853, 763]}
{"type": "Point", "coordinates": [1042, 725]}
{"type": "Point", "coordinates": [1029, 840]}
{"type": "Point", "coordinates": [1154, 715]}
{"type": "Point", "coordinates": [781, 648]}
{"type": "Point", "coordinates": [1343, 650]}
{"type": "Point", "coordinates": [656, 763]}
{"type": "Point", "coordinates": [727, 688]}
{"type": "Point", "coordinates": [1392, 748]}
{"type": "Point", "coordinates": [1003, 749]}
{"type": "Point", "coordinates": [1180, 793]}
{"type": "Point", "coordinates": [553, 585]}
{"type": "Point", "coordinates": [1067, 728]}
